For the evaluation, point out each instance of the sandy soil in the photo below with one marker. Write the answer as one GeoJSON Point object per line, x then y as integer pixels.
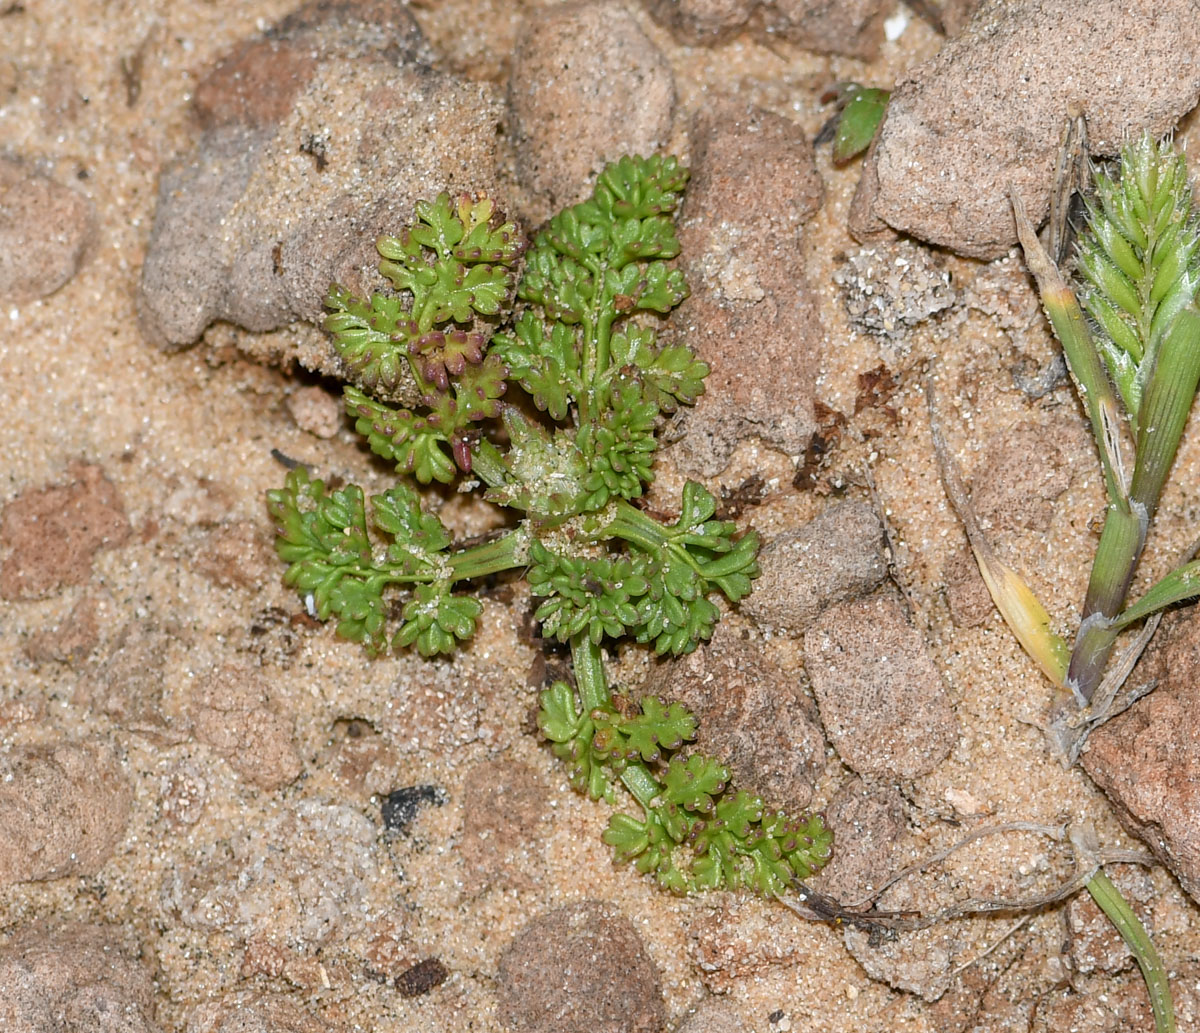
{"type": "Point", "coordinates": [186, 439]}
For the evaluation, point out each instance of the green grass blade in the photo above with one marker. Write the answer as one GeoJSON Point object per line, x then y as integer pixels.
{"type": "Point", "coordinates": [1109, 898]}
{"type": "Point", "coordinates": [1082, 355]}
{"type": "Point", "coordinates": [1024, 614]}
{"type": "Point", "coordinates": [1182, 583]}
{"type": "Point", "coordinates": [1165, 407]}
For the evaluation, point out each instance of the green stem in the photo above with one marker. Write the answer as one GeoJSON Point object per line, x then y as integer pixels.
{"type": "Point", "coordinates": [642, 785]}
{"type": "Point", "coordinates": [1109, 898]}
{"type": "Point", "coordinates": [597, 326]}
{"type": "Point", "coordinates": [603, 341]}
{"type": "Point", "coordinates": [1165, 407]}
{"type": "Point", "coordinates": [631, 525]}
{"type": "Point", "coordinates": [586, 402]}
{"type": "Point", "coordinates": [1120, 546]}
{"type": "Point", "coordinates": [592, 684]}
{"type": "Point", "coordinates": [590, 678]}
{"type": "Point", "coordinates": [504, 553]}
{"type": "Point", "coordinates": [488, 464]}
{"type": "Point", "coordinates": [1080, 349]}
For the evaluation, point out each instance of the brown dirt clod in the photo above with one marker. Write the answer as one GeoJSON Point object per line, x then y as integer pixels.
{"type": "Point", "coordinates": [53, 533]}
{"type": "Point", "coordinates": [582, 966]}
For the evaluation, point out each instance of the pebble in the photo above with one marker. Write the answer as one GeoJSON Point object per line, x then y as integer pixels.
{"type": "Point", "coordinates": [45, 230]}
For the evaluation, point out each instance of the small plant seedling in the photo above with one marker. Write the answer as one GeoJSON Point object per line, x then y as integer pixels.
{"type": "Point", "coordinates": [580, 343]}
{"type": "Point", "coordinates": [1135, 357]}
{"type": "Point", "coordinates": [860, 111]}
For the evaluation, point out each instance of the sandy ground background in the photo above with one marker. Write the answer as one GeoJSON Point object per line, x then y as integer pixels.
{"type": "Point", "coordinates": [186, 441]}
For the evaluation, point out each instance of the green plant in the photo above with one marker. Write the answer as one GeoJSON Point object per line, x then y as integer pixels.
{"type": "Point", "coordinates": [860, 111]}
{"type": "Point", "coordinates": [602, 568]}
{"type": "Point", "coordinates": [1137, 358]}
{"type": "Point", "coordinates": [1139, 267]}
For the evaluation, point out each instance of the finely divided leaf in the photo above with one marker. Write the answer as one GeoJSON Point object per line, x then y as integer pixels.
{"type": "Point", "coordinates": [436, 621]}
{"type": "Point", "coordinates": [545, 364]}
{"type": "Point", "coordinates": [670, 376]}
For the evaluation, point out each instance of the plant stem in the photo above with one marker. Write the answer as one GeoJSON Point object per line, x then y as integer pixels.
{"type": "Point", "coordinates": [1120, 546]}
{"type": "Point", "coordinates": [1083, 357]}
{"type": "Point", "coordinates": [592, 683]}
{"type": "Point", "coordinates": [1165, 407]}
{"type": "Point", "coordinates": [1114, 905]}
{"type": "Point", "coordinates": [488, 464]}
{"type": "Point", "coordinates": [504, 553]}
{"type": "Point", "coordinates": [590, 678]}
{"type": "Point", "coordinates": [642, 785]}
{"type": "Point", "coordinates": [630, 524]}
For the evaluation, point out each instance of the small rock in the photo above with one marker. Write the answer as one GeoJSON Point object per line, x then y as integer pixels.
{"type": "Point", "coordinates": [921, 963]}
{"type": "Point", "coordinates": [1147, 760]}
{"type": "Point", "coordinates": [70, 642]}
{"type": "Point", "coordinates": [361, 762]}
{"type": "Point", "coordinates": [837, 556]}
{"type": "Point", "coordinates": [867, 821]}
{"type": "Point", "coordinates": [389, 952]}
{"type": "Point", "coordinates": [587, 86]}
{"type": "Point", "coordinates": [438, 705]}
{"type": "Point", "coordinates": [986, 113]}
{"type": "Point", "coordinates": [422, 977]}
{"type": "Point", "coordinates": [250, 1011]}
{"type": "Point", "coordinates": [315, 139]}
{"type": "Point", "coordinates": [257, 85]}
{"type": "Point", "coordinates": [967, 594]}
{"type": "Point", "coordinates": [400, 807]}
{"type": "Point", "coordinates": [63, 810]}
{"type": "Point", "coordinates": [315, 410]}
{"type": "Point", "coordinates": [853, 28]}
{"type": "Point", "coordinates": [193, 501]}
{"type": "Point", "coordinates": [750, 316]}
{"type": "Point", "coordinates": [230, 712]}
{"type": "Point", "coordinates": [1009, 492]}
{"type": "Point", "coordinates": [753, 186]}
{"type": "Point", "coordinates": [183, 795]}
{"type": "Point", "coordinates": [735, 943]}
{"type": "Point", "coordinates": [890, 288]}
{"type": "Point", "coordinates": [956, 14]}
{"type": "Point", "coordinates": [1000, 289]}
{"type": "Point", "coordinates": [582, 966]}
{"type": "Point", "coordinates": [127, 683]}
{"type": "Point", "coordinates": [1010, 495]}
{"type": "Point", "coordinates": [703, 21]}
{"type": "Point", "coordinates": [26, 707]}
{"type": "Point", "coordinates": [976, 1001]}
{"type": "Point", "coordinates": [78, 979]}
{"type": "Point", "coordinates": [44, 230]}
{"type": "Point", "coordinates": [881, 697]}
{"type": "Point", "coordinates": [1100, 1004]}
{"type": "Point", "coordinates": [53, 533]}
{"type": "Point", "coordinates": [63, 100]}
{"type": "Point", "coordinates": [504, 805]}
{"type": "Point", "coordinates": [753, 717]}
{"type": "Point", "coordinates": [850, 27]}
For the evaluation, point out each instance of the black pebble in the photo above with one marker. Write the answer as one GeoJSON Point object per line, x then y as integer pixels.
{"type": "Point", "coordinates": [421, 978]}
{"type": "Point", "coordinates": [401, 805]}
